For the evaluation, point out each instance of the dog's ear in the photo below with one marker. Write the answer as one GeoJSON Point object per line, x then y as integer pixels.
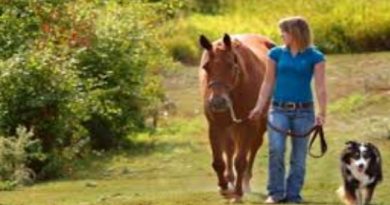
{"type": "Point", "coordinates": [351, 143]}
{"type": "Point", "coordinates": [348, 150]}
{"type": "Point", "coordinates": [375, 151]}
{"type": "Point", "coordinates": [346, 154]}
{"type": "Point", "coordinates": [378, 160]}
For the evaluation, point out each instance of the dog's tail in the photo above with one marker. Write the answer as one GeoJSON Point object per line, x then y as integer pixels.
{"type": "Point", "coordinates": [344, 196]}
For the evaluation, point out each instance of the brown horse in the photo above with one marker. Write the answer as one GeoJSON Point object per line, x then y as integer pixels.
{"type": "Point", "coordinates": [231, 73]}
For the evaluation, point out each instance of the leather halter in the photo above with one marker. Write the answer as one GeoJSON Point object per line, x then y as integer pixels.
{"type": "Point", "coordinates": [236, 76]}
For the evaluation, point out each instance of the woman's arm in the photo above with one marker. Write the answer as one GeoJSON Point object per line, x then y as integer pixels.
{"type": "Point", "coordinates": [321, 92]}
{"type": "Point", "coordinates": [265, 90]}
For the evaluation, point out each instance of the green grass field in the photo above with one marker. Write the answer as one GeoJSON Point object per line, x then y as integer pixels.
{"type": "Point", "coordinates": [339, 26]}
{"type": "Point", "coordinates": [172, 165]}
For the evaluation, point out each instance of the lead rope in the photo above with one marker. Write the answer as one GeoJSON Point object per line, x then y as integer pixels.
{"type": "Point", "coordinates": [315, 131]}
{"type": "Point", "coordinates": [232, 113]}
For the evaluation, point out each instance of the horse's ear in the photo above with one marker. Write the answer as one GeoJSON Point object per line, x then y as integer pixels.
{"type": "Point", "coordinates": [227, 41]}
{"type": "Point", "coordinates": [205, 43]}
{"type": "Point", "coordinates": [270, 44]}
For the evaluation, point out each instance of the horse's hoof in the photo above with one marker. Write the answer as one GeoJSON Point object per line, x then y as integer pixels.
{"type": "Point", "coordinates": [230, 186]}
{"type": "Point", "coordinates": [227, 193]}
{"type": "Point", "coordinates": [236, 200]}
{"type": "Point", "coordinates": [230, 179]}
{"type": "Point", "coordinates": [247, 189]}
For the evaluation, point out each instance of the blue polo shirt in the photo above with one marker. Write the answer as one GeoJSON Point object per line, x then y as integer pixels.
{"type": "Point", "coordinates": [293, 74]}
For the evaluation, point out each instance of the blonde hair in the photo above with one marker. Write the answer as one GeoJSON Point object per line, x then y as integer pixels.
{"type": "Point", "coordinates": [299, 29]}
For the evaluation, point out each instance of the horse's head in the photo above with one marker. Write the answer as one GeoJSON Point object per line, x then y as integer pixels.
{"type": "Point", "coordinates": [221, 64]}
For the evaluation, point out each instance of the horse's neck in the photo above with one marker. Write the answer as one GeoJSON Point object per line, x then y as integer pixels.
{"type": "Point", "coordinates": [250, 80]}
{"type": "Point", "coordinates": [252, 68]}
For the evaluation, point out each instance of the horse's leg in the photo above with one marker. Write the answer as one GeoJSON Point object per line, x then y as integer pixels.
{"type": "Point", "coordinates": [230, 149]}
{"type": "Point", "coordinates": [216, 142]}
{"type": "Point", "coordinates": [256, 135]}
{"type": "Point", "coordinates": [241, 160]}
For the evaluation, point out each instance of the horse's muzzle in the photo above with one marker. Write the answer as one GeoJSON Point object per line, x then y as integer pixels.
{"type": "Point", "coordinates": [219, 104]}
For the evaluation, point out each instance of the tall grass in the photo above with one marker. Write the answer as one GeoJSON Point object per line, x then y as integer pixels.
{"type": "Point", "coordinates": [339, 26]}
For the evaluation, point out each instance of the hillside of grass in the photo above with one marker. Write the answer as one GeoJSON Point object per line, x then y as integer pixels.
{"type": "Point", "coordinates": [173, 164]}
{"type": "Point", "coordinates": [339, 26]}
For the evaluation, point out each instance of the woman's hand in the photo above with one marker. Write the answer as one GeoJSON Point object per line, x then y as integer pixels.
{"type": "Point", "coordinates": [255, 113]}
{"type": "Point", "coordinates": [320, 119]}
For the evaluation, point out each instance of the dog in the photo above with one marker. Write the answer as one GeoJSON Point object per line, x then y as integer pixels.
{"type": "Point", "coordinates": [361, 168]}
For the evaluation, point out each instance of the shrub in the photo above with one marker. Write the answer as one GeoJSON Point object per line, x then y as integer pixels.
{"type": "Point", "coordinates": [119, 72]}
{"type": "Point", "coordinates": [183, 49]}
{"type": "Point", "coordinates": [15, 154]}
{"type": "Point", "coordinates": [18, 27]}
{"type": "Point", "coordinates": [41, 93]}
{"type": "Point", "coordinates": [86, 76]}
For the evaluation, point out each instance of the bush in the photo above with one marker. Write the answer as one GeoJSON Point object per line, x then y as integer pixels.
{"type": "Point", "coordinates": [15, 154]}
{"type": "Point", "coordinates": [119, 73]}
{"type": "Point", "coordinates": [24, 23]}
{"type": "Point", "coordinates": [18, 27]}
{"type": "Point", "coordinates": [86, 75]}
{"type": "Point", "coordinates": [42, 92]}
{"type": "Point", "coordinates": [183, 49]}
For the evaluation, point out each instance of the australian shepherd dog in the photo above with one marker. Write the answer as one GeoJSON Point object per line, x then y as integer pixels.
{"type": "Point", "coordinates": [361, 168]}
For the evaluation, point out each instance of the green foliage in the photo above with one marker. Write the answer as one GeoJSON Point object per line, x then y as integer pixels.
{"type": "Point", "coordinates": [118, 72]}
{"type": "Point", "coordinates": [15, 154]}
{"type": "Point", "coordinates": [183, 49]}
{"type": "Point", "coordinates": [18, 27]}
{"type": "Point", "coordinates": [41, 91]}
{"type": "Point", "coordinates": [23, 23]}
{"type": "Point", "coordinates": [81, 73]}
{"type": "Point", "coordinates": [208, 7]}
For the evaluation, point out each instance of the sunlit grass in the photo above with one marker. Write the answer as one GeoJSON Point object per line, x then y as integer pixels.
{"type": "Point", "coordinates": [172, 165]}
{"type": "Point", "coordinates": [338, 25]}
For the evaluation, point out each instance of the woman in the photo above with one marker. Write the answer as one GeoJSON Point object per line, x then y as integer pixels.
{"type": "Point", "coordinates": [290, 68]}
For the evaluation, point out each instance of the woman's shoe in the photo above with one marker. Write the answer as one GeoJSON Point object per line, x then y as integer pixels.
{"type": "Point", "coordinates": [270, 200]}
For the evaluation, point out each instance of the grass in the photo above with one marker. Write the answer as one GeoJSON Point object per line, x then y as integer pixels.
{"type": "Point", "coordinates": [339, 26]}
{"type": "Point", "coordinates": [172, 165]}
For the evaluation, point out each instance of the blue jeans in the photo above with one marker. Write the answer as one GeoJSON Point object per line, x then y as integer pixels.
{"type": "Point", "coordinates": [298, 121]}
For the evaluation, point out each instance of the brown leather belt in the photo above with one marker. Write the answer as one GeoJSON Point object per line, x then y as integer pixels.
{"type": "Point", "coordinates": [292, 105]}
